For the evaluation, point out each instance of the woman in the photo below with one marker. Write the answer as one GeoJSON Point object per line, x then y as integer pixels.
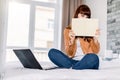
{"type": "Point", "coordinates": [81, 52]}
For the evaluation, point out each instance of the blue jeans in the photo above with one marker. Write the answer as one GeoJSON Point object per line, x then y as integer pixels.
{"type": "Point", "coordinates": [89, 61]}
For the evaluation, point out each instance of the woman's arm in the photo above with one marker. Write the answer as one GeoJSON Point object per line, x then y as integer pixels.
{"type": "Point", "coordinates": [95, 45]}
{"type": "Point", "coordinates": [69, 43]}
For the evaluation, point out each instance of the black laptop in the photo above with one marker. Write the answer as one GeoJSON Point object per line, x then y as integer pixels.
{"type": "Point", "coordinates": [28, 60]}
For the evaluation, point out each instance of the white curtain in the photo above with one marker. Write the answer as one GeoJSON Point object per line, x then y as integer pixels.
{"type": "Point", "coordinates": [69, 7]}
{"type": "Point", "coordinates": [3, 31]}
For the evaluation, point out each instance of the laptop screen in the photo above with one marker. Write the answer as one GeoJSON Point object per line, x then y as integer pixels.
{"type": "Point", "coordinates": [27, 58]}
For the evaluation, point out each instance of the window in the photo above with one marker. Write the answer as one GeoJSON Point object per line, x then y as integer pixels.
{"type": "Point", "coordinates": [18, 24]}
{"type": "Point", "coordinates": [43, 33]}
{"type": "Point", "coordinates": [50, 24]}
{"type": "Point", "coordinates": [18, 28]}
{"type": "Point", "coordinates": [31, 25]}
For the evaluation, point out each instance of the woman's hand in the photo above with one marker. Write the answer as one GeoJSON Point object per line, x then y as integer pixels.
{"type": "Point", "coordinates": [97, 34]}
{"type": "Point", "coordinates": [72, 37]}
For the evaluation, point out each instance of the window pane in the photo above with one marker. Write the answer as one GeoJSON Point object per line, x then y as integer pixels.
{"type": "Point", "coordinates": [44, 27]}
{"type": "Point", "coordinates": [51, 1]}
{"type": "Point", "coordinates": [41, 55]}
{"type": "Point", "coordinates": [18, 24]}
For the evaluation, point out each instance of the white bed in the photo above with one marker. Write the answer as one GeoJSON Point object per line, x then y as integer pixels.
{"type": "Point", "coordinates": [109, 70]}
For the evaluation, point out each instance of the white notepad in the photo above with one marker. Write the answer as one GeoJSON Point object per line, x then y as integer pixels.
{"type": "Point", "coordinates": [84, 27]}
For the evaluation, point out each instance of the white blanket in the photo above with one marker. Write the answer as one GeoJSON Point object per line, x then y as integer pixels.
{"type": "Point", "coordinates": [109, 70]}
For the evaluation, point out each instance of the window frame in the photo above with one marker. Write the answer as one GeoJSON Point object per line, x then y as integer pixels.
{"type": "Point", "coordinates": [57, 22]}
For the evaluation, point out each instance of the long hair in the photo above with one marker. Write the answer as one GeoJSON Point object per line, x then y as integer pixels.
{"type": "Point", "coordinates": [83, 9]}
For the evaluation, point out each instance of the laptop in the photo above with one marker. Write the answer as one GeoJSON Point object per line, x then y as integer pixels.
{"type": "Point", "coordinates": [28, 60]}
{"type": "Point", "coordinates": [84, 27]}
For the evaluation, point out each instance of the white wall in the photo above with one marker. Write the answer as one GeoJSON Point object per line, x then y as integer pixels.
{"type": "Point", "coordinates": [3, 25]}
{"type": "Point", "coordinates": [99, 10]}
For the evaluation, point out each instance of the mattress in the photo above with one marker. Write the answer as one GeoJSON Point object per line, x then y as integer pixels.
{"type": "Point", "coordinates": [109, 70]}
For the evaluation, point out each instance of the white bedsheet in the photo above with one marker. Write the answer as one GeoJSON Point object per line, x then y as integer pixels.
{"type": "Point", "coordinates": [109, 70]}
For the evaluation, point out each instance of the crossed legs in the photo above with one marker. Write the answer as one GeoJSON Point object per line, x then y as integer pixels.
{"type": "Point", "coordinates": [89, 61]}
